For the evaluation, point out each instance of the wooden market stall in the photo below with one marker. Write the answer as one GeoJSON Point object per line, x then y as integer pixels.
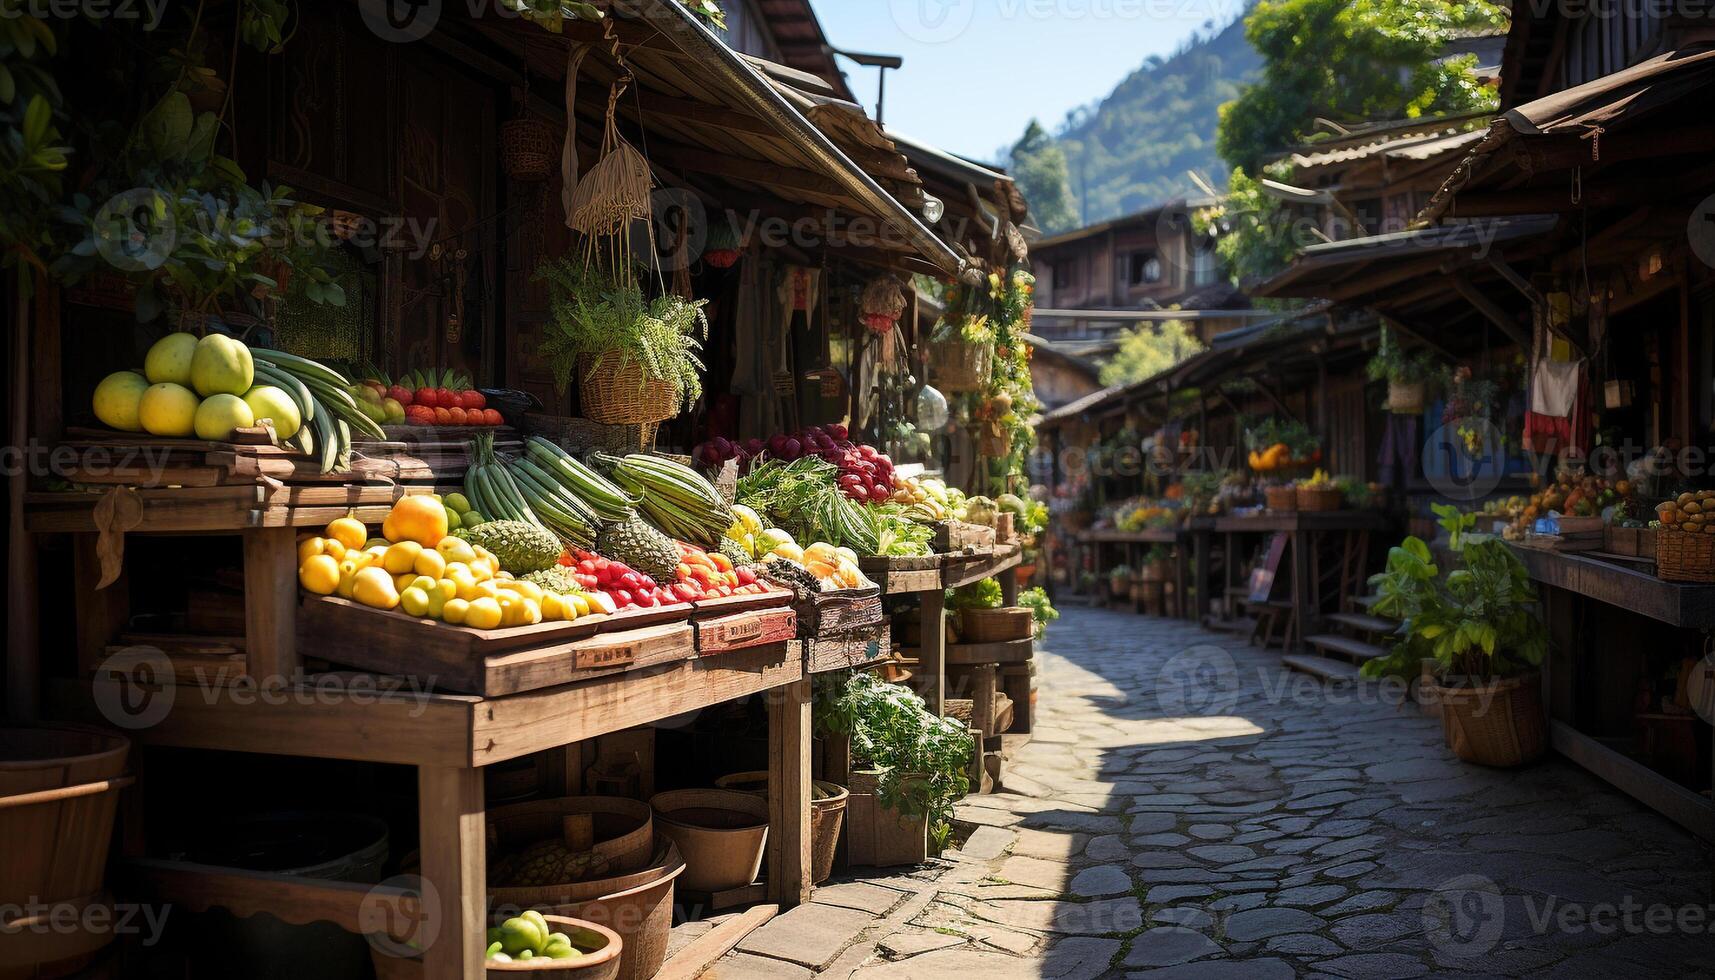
{"type": "Point", "coordinates": [176, 560]}
{"type": "Point", "coordinates": [1558, 244]}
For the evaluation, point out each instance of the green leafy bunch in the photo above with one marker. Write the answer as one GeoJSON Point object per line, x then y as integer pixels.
{"type": "Point", "coordinates": [1392, 363]}
{"type": "Point", "coordinates": [594, 313]}
{"type": "Point", "coordinates": [922, 759]}
{"type": "Point", "coordinates": [33, 154]}
{"type": "Point", "coordinates": [977, 595]}
{"type": "Point", "coordinates": [1479, 620]}
{"type": "Point", "coordinates": [1041, 608]}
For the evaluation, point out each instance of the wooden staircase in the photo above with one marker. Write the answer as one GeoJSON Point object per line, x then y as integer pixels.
{"type": "Point", "coordinates": [1354, 639]}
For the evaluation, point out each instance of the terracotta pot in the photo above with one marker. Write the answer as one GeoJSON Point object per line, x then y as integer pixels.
{"type": "Point", "coordinates": [827, 816]}
{"type": "Point", "coordinates": [722, 833]}
{"type": "Point", "coordinates": [602, 948]}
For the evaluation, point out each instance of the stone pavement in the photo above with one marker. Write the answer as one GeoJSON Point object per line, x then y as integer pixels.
{"type": "Point", "coordinates": [1189, 808]}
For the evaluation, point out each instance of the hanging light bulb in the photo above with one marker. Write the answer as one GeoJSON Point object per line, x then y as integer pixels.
{"type": "Point", "coordinates": [932, 412]}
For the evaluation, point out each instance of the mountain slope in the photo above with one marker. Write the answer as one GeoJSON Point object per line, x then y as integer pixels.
{"type": "Point", "coordinates": [1133, 148]}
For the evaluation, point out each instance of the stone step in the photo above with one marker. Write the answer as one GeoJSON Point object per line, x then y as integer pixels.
{"type": "Point", "coordinates": [1323, 667]}
{"type": "Point", "coordinates": [1364, 622]}
{"type": "Point", "coordinates": [1356, 649]}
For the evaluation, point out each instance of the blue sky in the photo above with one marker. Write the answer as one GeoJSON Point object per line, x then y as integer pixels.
{"type": "Point", "coordinates": [976, 71]}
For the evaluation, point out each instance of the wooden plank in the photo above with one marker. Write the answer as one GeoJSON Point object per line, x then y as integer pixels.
{"type": "Point", "coordinates": [298, 720]}
{"type": "Point", "coordinates": [702, 952]}
{"type": "Point", "coordinates": [1674, 603]}
{"type": "Point", "coordinates": [1004, 558]}
{"type": "Point", "coordinates": [789, 794]}
{"type": "Point", "coordinates": [1690, 810]}
{"type": "Point", "coordinates": [1006, 652]}
{"type": "Point", "coordinates": [934, 655]}
{"type": "Point", "coordinates": [907, 582]}
{"type": "Point", "coordinates": [505, 728]}
{"type": "Point", "coordinates": [291, 898]}
{"type": "Point", "coordinates": [455, 862]}
{"type": "Point", "coordinates": [271, 603]}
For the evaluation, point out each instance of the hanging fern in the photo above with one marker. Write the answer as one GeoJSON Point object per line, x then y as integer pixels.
{"type": "Point", "coordinates": [591, 314]}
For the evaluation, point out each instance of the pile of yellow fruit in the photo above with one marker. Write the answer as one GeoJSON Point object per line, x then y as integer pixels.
{"type": "Point", "coordinates": [926, 498]}
{"type": "Point", "coordinates": [416, 567]}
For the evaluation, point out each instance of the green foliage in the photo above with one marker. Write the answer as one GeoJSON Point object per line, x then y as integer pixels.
{"type": "Point", "coordinates": [1392, 363]}
{"type": "Point", "coordinates": [1480, 620]}
{"type": "Point", "coordinates": [1352, 61]}
{"type": "Point", "coordinates": [1148, 349]}
{"type": "Point", "coordinates": [921, 758]}
{"type": "Point", "coordinates": [1041, 608]}
{"type": "Point", "coordinates": [593, 314]}
{"type": "Point", "coordinates": [1134, 148]}
{"type": "Point", "coordinates": [1256, 234]}
{"type": "Point", "coordinates": [32, 155]}
{"type": "Point", "coordinates": [978, 595]}
{"type": "Point", "coordinates": [1038, 165]}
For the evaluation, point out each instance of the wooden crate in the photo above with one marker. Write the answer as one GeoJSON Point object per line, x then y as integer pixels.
{"type": "Point", "coordinates": [899, 576]}
{"type": "Point", "coordinates": [957, 536]}
{"type": "Point", "coordinates": [828, 613]}
{"type": "Point", "coordinates": [743, 630]}
{"type": "Point", "coordinates": [843, 651]}
{"type": "Point", "coordinates": [491, 663]}
{"type": "Point", "coordinates": [877, 836]}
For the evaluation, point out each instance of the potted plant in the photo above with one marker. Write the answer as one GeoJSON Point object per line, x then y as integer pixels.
{"type": "Point", "coordinates": [912, 764]}
{"type": "Point", "coordinates": [1480, 626]}
{"type": "Point", "coordinates": [1407, 375]}
{"type": "Point", "coordinates": [1119, 581]}
{"type": "Point", "coordinates": [1157, 563]}
{"type": "Point", "coordinates": [1319, 492]}
{"type": "Point", "coordinates": [637, 360]}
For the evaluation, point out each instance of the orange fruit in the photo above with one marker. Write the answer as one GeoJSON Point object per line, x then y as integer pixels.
{"type": "Point", "coordinates": [419, 517]}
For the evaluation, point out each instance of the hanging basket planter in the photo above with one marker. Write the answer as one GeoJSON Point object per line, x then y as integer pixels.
{"type": "Point", "coordinates": [527, 149]}
{"type": "Point", "coordinates": [1405, 397]}
{"type": "Point", "coordinates": [957, 365]}
{"type": "Point", "coordinates": [614, 391]}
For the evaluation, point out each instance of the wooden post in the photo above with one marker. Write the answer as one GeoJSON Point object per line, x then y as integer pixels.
{"type": "Point", "coordinates": [789, 793]}
{"type": "Point", "coordinates": [935, 649]}
{"type": "Point", "coordinates": [271, 604]}
{"type": "Point", "coordinates": [101, 613]}
{"type": "Point", "coordinates": [23, 641]}
{"type": "Point", "coordinates": [455, 862]}
{"type": "Point", "coordinates": [1200, 575]}
{"type": "Point", "coordinates": [1302, 589]}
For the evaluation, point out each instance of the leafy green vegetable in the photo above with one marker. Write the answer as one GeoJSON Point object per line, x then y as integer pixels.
{"type": "Point", "coordinates": [1041, 609]}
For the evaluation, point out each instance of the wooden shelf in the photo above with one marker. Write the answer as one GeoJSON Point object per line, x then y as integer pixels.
{"type": "Point", "coordinates": [314, 719]}
{"type": "Point", "coordinates": [1005, 557]}
{"type": "Point", "coordinates": [1005, 652]}
{"type": "Point", "coordinates": [1154, 535]}
{"type": "Point", "coordinates": [1325, 520]}
{"type": "Point", "coordinates": [1673, 603]}
{"type": "Point", "coordinates": [1693, 811]}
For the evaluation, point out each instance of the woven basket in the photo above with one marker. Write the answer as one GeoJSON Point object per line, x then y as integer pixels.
{"type": "Point", "coordinates": [1405, 397]}
{"type": "Point", "coordinates": [996, 625]}
{"type": "Point", "coordinates": [1283, 499]}
{"type": "Point", "coordinates": [615, 395]}
{"type": "Point", "coordinates": [957, 366]}
{"type": "Point", "coordinates": [1319, 499]}
{"type": "Point", "coordinates": [527, 149]}
{"type": "Point", "coordinates": [1684, 556]}
{"type": "Point", "coordinates": [1498, 724]}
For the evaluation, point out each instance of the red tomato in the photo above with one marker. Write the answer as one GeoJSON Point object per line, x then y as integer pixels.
{"type": "Point", "coordinates": [621, 598]}
{"type": "Point", "coordinates": [647, 600]}
{"type": "Point", "coordinates": [746, 576]}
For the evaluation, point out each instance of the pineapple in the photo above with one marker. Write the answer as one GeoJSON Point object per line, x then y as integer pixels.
{"type": "Point", "coordinates": [642, 548]}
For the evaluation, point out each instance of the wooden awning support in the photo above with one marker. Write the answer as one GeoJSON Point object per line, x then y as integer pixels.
{"type": "Point", "coordinates": [1490, 310]}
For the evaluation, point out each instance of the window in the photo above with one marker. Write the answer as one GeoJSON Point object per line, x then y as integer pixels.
{"type": "Point", "coordinates": [1145, 268]}
{"type": "Point", "coordinates": [1204, 267]}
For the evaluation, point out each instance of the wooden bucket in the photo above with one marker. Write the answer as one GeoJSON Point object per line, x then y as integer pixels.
{"type": "Point", "coordinates": [624, 835]}
{"type": "Point", "coordinates": [827, 816]}
{"type": "Point", "coordinates": [722, 833]}
{"type": "Point", "coordinates": [34, 757]}
{"type": "Point", "coordinates": [613, 394]}
{"type": "Point", "coordinates": [1319, 499]}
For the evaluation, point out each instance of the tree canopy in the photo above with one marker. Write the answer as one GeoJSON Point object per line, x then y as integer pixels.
{"type": "Point", "coordinates": [1352, 61]}
{"type": "Point", "coordinates": [1039, 167]}
{"type": "Point", "coordinates": [1148, 349]}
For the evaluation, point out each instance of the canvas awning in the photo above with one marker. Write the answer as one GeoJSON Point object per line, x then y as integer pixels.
{"type": "Point", "coordinates": [1587, 123]}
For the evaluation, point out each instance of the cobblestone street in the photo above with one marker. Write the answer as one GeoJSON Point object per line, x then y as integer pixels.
{"type": "Point", "coordinates": [1189, 808]}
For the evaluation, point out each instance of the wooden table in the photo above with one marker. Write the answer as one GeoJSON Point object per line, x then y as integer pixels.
{"type": "Point", "coordinates": [1573, 660]}
{"type": "Point", "coordinates": [448, 738]}
{"type": "Point", "coordinates": [1186, 542]}
{"type": "Point", "coordinates": [1305, 532]}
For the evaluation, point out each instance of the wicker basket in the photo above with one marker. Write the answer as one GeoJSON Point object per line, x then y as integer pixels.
{"type": "Point", "coordinates": [957, 366]}
{"type": "Point", "coordinates": [1498, 724]}
{"type": "Point", "coordinates": [996, 625]}
{"type": "Point", "coordinates": [1405, 397]}
{"type": "Point", "coordinates": [527, 149]}
{"type": "Point", "coordinates": [1319, 499]}
{"type": "Point", "coordinates": [1283, 499]}
{"type": "Point", "coordinates": [615, 395]}
{"type": "Point", "coordinates": [578, 434]}
{"type": "Point", "coordinates": [1684, 556]}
